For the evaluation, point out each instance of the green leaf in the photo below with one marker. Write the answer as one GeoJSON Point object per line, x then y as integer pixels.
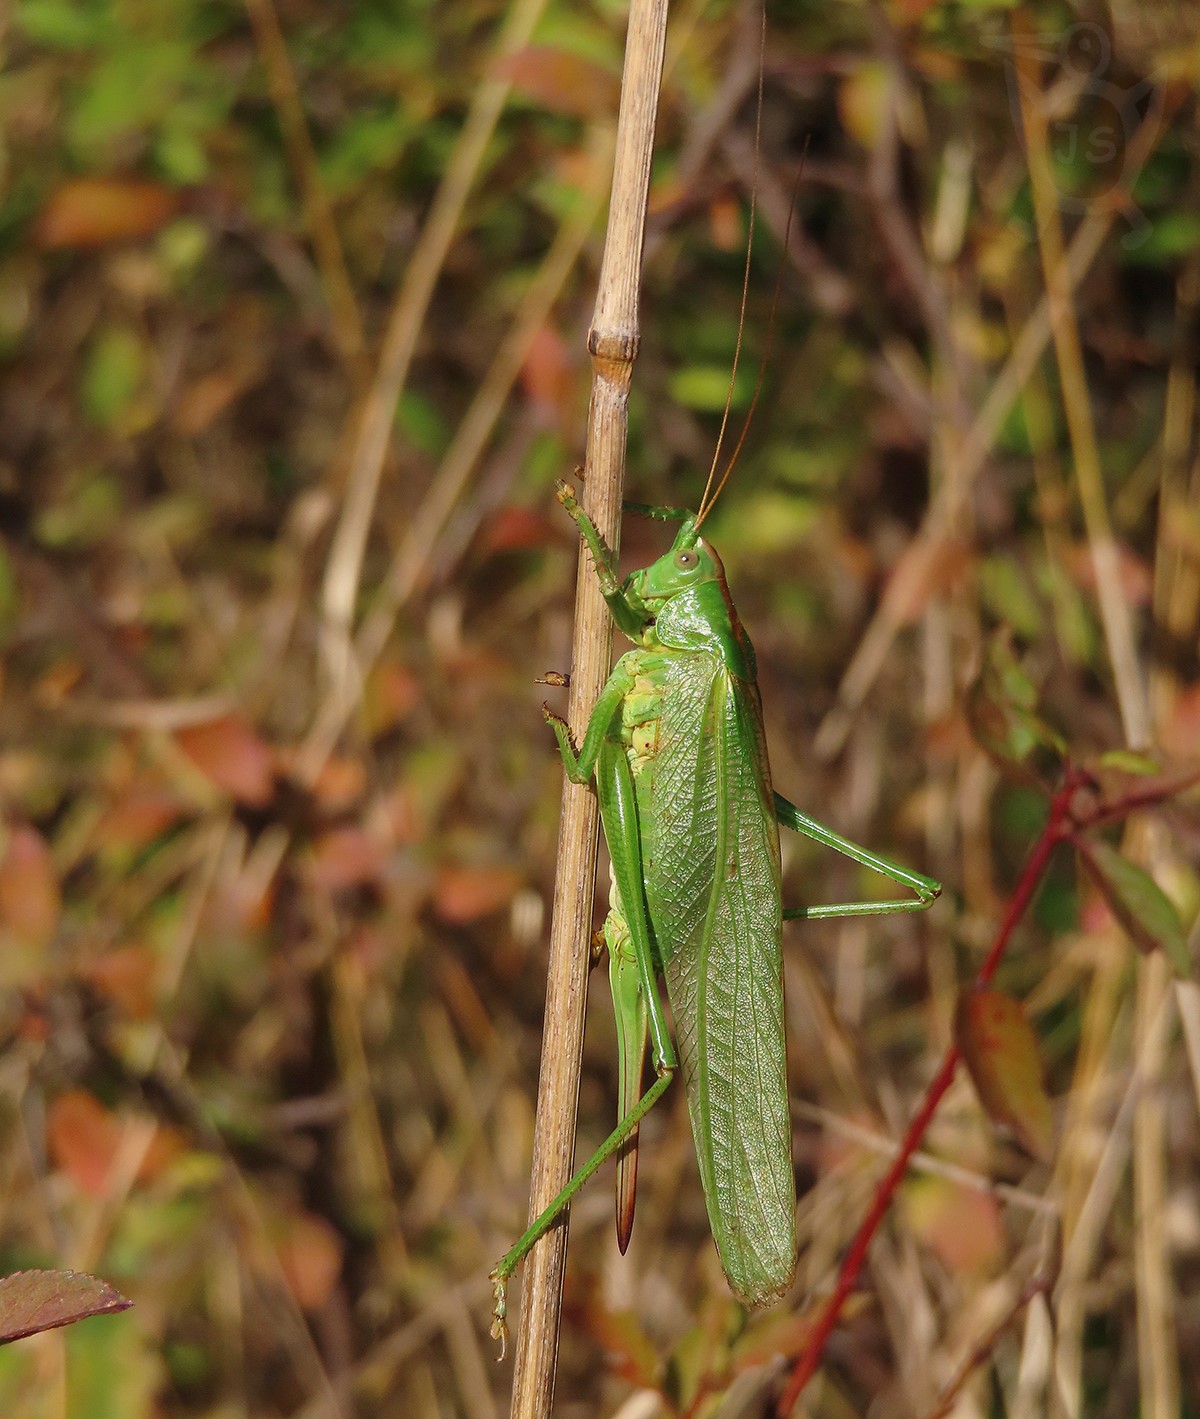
{"type": "Point", "coordinates": [113, 1371]}
{"type": "Point", "coordinates": [1009, 596]}
{"type": "Point", "coordinates": [1139, 904]}
{"type": "Point", "coordinates": [1128, 761]}
{"type": "Point", "coordinates": [706, 387]}
{"type": "Point", "coordinates": [8, 595]}
{"type": "Point", "coordinates": [116, 368]}
{"type": "Point", "coordinates": [1001, 708]}
{"type": "Point", "coordinates": [1172, 235]}
{"type": "Point", "coordinates": [1001, 1053]}
{"type": "Point", "coordinates": [63, 24]}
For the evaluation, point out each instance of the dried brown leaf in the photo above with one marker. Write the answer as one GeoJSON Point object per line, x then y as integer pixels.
{"type": "Point", "coordinates": [1001, 1052]}
{"type": "Point", "coordinates": [33, 1301]}
{"type": "Point", "coordinates": [94, 211]}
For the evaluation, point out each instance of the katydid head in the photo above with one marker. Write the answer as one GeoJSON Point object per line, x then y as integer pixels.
{"type": "Point", "coordinates": [690, 563]}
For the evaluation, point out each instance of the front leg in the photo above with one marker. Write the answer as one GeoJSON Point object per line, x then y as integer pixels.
{"type": "Point", "coordinates": [630, 616]}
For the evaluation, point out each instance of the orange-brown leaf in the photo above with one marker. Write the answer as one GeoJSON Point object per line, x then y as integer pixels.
{"type": "Point", "coordinates": [1181, 728]}
{"type": "Point", "coordinates": [30, 900]}
{"type": "Point", "coordinates": [925, 571]}
{"type": "Point", "coordinates": [464, 894]}
{"type": "Point", "coordinates": [138, 817]}
{"type": "Point", "coordinates": [93, 211]}
{"type": "Point", "coordinates": [547, 376]}
{"type": "Point", "coordinates": [127, 975]}
{"type": "Point", "coordinates": [515, 529]}
{"type": "Point", "coordinates": [561, 81]}
{"type": "Point", "coordinates": [231, 754]}
{"type": "Point", "coordinates": [392, 692]}
{"type": "Point", "coordinates": [83, 1137]}
{"type": "Point", "coordinates": [346, 857]}
{"type": "Point", "coordinates": [310, 1252]}
{"type": "Point", "coordinates": [1001, 1052]}
{"type": "Point", "coordinates": [960, 1224]}
{"type": "Point", "coordinates": [203, 401]}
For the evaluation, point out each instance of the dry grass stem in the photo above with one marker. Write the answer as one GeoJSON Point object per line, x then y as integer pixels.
{"type": "Point", "coordinates": [417, 546]}
{"type": "Point", "coordinates": [1114, 610]}
{"type": "Point", "coordinates": [613, 342]}
{"type": "Point", "coordinates": [918, 565]}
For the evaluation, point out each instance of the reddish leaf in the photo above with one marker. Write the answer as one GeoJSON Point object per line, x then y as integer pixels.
{"type": "Point", "coordinates": [167, 1144]}
{"type": "Point", "coordinates": [725, 225]}
{"type": "Point", "coordinates": [83, 1138]}
{"type": "Point", "coordinates": [241, 904]}
{"type": "Point", "coordinates": [138, 818]}
{"type": "Point", "coordinates": [340, 784]}
{"type": "Point", "coordinates": [33, 1301]}
{"type": "Point", "coordinates": [1002, 1055]}
{"type": "Point", "coordinates": [514, 529]}
{"type": "Point", "coordinates": [392, 692]}
{"type": "Point", "coordinates": [203, 401]}
{"type": "Point", "coordinates": [960, 1224]}
{"type": "Point", "coordinates": [1139, 904]}
{"type": "Point", "coordinates": [465, 894]}
{"type": "Point", "coordinates": [561, 81]}
{"type": "Point", "coordinates": [128, 976]}
{"type": "Point", "coordinates": [1181, 731]}
{"type": "Point", "coordinates": [30, 902]}
{"type": "Point", "coordinates": [925, 571]}
{"type": "Point", "coordinates": [547, 375]}
{"type": "Point", "coordinates": [346, 857]}
{"type": "Point", "coordinates": [310, 1252]}
{"type": "Point", "coordinates": [229, 753]}
{"type": "Point", "coordinates": [93, 211]}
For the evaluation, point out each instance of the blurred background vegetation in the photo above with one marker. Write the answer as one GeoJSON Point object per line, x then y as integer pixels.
{"type": "Point", "coordinates": [279, 807]}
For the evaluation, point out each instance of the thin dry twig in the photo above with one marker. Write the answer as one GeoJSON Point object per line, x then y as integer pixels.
{"type": "Point", "coordinates": [318, 214]}
{"type": "Point", "coordinates": [420, 540]}
{"type": "Point", "coordinates": [343, 570]}
{"type": "Point", "coordinates": [915, 569]}
{"type": "Point", "coordinates": [1114, 611]}
{"type": "Point", "coordinates": [1158, 1368]}
{"type": "Point", "coordinates": [613, 342]}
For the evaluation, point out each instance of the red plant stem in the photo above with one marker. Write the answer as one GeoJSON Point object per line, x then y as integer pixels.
{"type": "Point", "coordinates": [1056, 829]}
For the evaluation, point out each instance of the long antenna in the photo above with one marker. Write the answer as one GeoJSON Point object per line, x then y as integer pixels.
{"type": "Point", "coordinates": [706, 503]}
{"type": "Point", "coordinates": [737, 349]}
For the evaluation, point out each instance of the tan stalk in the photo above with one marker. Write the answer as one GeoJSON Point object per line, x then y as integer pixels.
{"type": "Point", "coordinates": [1114, 612]}
{"type": "Point", "coordinates": [422, 535]}
{"type": "Point", "coordinates": [343, 570]}
{"type": "Point", "coordinates": [1158, 1360]}
{"type": "Point", "coordinates": [906, 588]}
{"type": "Point", "coordinates": [318, 211]}
{"type": "Point", "coordinates": [613, 343]}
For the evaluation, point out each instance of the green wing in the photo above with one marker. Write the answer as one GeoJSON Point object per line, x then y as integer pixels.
{"type": "Point", "coordinates": [713, 889]}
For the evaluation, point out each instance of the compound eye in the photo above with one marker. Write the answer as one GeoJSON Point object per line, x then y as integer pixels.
{"type": "Point", "coordinates": [686, 560]}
